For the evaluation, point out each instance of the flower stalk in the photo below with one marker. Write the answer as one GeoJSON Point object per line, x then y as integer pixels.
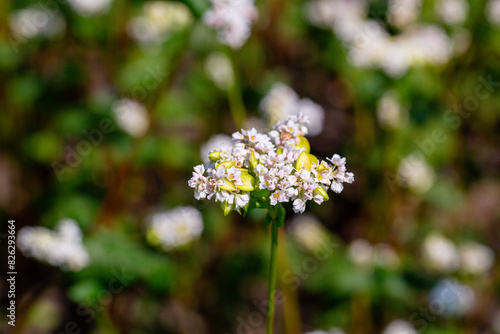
{"type": "Point", "coordinates": [272, 277]}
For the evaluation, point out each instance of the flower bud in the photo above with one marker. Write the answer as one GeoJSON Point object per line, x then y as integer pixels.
{"type": "Point", "coordinates": [303, 161]}
{"type": "Point", "coordinates": [303, 144]}
{"type": "Point", "coordinates": [322, 192]}
{"type": "Point", "coordinates": [227, 185]}
{"type": "Point", "coordinates": [227, 164]}
{"type": "Point", "coordinates": [253, 160]}
{"type": "Point", "coordinates": [322, 167]}
{"type": "Point", "coordinates": [248, 182]}
{"type": "Point", "coordinates": [226, 207]}
{"type": "Point", "coordinates": [214, 156]}
{"type": "Point", "coordinates": [313, 159]}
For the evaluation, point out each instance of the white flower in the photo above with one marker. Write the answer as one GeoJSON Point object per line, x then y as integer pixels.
{"type": "Point", "coordinates": [390, 113]}
{"type": "Point", "coordinates": [361, 252]}
{"type": "Point", "coordinates": [157, 20]}
{"type": "Point", "coordinates": [175, 228]}
{"type": "Point", "coordinates": [386, 256]}
{"type": "Point", "coordinates": [233, 19]}
{"type": "Point", "coordinates": [455, 299]}
{"type": "Point", "coordinates": [452, 11]}
{"type": "Point", "coordinates": [37, 21]}
{"type": "Point", "coordinates": [61, 248]}
{"type": "Point", "coordinates": [315, 113]}
{"type": "Point", "coordinates": [493, 11]}
{"type": "Point", "coordinates": [399, 327]}
{"type": "Point", "coordinates": [476, 258]}
{"type": "Point", "coordinates": [439, 253]}
{"type": "Point", "coordinates": [213, 143]}
{"type": "Point", "coordinates": [131, 116]}
{"type": "Point", "coordinates": [330, 331]}
{"type": "Point", "coordinates": [402, 13]}
{"type": "Point", "coordinates": [279, 103]}
{"type": "Point", "coordinates": [308, 232]}
{"type": "Point", "coordinates": [369, 45]}
{"type": "Point", "coordinates": [282, 101]}
{"type": "Point", "coordinates": [89, 7]}
{"type": "Point", "coordinates": [219, 68]}
{"type": "Point", "coordinates": [299, 205]}
{"type": "Point", "coordinates": [416, 174]}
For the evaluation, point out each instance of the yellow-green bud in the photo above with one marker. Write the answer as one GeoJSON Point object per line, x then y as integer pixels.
{"type": "Point", "coordinates": [303, 161]}
{"type": "Point", "coordinates": [313, 159]}
{"type": "Point", "coordinates": [321, 191]}
{"type": "Point", "coordinates": [214, 156]}
{"type": "Point", "coordinates": [304, 144]}
{"type": "Point", "coordinates": [322, 167]}
{"type": "Point", "coordinates": [248, 182]}
{"type": "Point", "coordinates": [227, 164]}
{"type": "Point", "coordinates": [253, 160]}
{"type": "Point", "coordinates": [227, 185]}
{"type": "Point", "coordinates": [226, 207]}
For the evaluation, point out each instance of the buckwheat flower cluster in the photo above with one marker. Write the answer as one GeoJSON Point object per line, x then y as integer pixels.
{"type": "Point", "coordinates": [60, 248]}
{"type": "Point", "coordinates": [263, 170]}
{"type": "Point", "coordinates": [233, 20]}
{"type": "Point", "coordinates": [175, 228]}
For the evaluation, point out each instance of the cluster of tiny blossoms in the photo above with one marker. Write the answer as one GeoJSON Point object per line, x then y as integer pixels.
{"type": "Point", "coordinates": [267, 169]}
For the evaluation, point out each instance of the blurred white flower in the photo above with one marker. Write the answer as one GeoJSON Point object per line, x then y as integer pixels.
{"type": "Point", "coordinates": [131, 116]}
{"type": "Point", "coordinates": [385, 256]}
{"type": "Point", "coordinates": [493, 12]}
{"type": "Point", "coordinates": [369, 45]}
{"type": "Point", "coordinates": [402, 13]}
{"type": "Point", "coordinates": [364, 254]}
{"type": "Point", "coordinates": [399, 327]}
{"type": "Point", "coordinates": [60, 248]}
{"type": "Point", "coordinates": [233, 19]}
{"type": "Point", "coordinates": [214, 143]}
{"type": "Point", "coordinates": [37, 21]}
{"type": "Point", "coordinates": [415, 174]}
{"type": "Point", "coordinates": [439, 253]}
{"type": "Point", "coordinates": [308, 232]}
{"type": "Point", "coordinates": [219, 68]}
{"type": "Point", "coordinates": [90, 7]}
{"type": "Point", "coordinates": [282, 101]}
{"type": "Point", "coordinates": [157, 20]}
{"type": "Point", "coordinates": [476, 258]}
{"type": "Point", "coordinates": [451, 298]}
{"type": "Point", "coordinates": [452, 11]}
{"type": "Point", "coordinates": [361, 252]}
{"type": "Point", "coordinates": [330, 331]}
{"type": "Point", "coordinates": [315, 113]}
{"type": "Point", "coordinates": [390, 113]}
{"type": "Point", "coordinates": [174, 228]}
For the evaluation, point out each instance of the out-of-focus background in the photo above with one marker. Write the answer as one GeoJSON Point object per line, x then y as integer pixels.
{"type": "Point", "coordinates": [106, 106]}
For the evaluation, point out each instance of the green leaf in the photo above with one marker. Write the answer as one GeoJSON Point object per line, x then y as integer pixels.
{"type": "Point", "coordinates": [268, 220]}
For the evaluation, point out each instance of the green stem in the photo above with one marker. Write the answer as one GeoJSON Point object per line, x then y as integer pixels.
{"type": "Point", "coordinates": [272, 277]}
{"type": "Point", "coordinates": [234, 96]}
